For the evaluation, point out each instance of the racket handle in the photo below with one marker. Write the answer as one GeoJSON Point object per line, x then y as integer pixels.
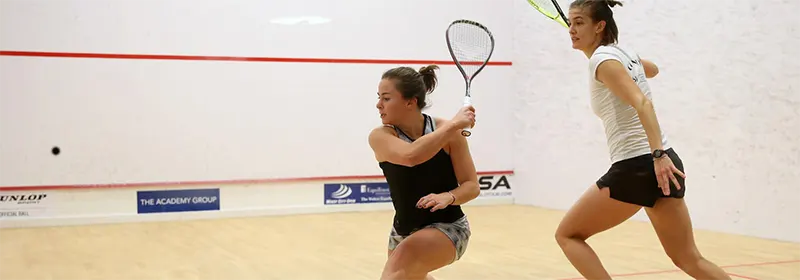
{"type": "Point", "coordinates": [467, 131]}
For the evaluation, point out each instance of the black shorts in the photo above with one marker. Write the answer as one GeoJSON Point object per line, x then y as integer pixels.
{"type": "Point", "coordinates": [634, 180]}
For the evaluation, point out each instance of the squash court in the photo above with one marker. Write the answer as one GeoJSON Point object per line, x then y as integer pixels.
{"type": "Point", "coordinates": [228, 140]}
{"type": "Point", "coordinates": [509, 242]}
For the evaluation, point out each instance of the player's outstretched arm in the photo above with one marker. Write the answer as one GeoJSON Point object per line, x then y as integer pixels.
{"type": "Point", "coordinates": [388, 147]}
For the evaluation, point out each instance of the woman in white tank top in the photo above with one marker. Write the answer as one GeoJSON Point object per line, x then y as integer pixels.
{"type": "Point", "coordinates": [646, 171]}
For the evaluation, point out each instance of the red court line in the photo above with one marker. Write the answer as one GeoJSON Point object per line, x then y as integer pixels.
{"type": "Point", "coordinates": [678, 270]}
{"type": "Point", "coordinates": [630, 274]}
{"type": "Point", "coordinates": [239, 58]}
{"type": "Point", "coordinates": [216, 182]}
{"type": "Point", "coordinates": [760, 264]}
{"type": "Point", "coordinates": [742, 276]}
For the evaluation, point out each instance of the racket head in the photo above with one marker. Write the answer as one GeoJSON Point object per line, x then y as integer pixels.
{"type": "Point", "coordinates": [550, 9]}
{"type": "Point", "coordinates": [471, 46]}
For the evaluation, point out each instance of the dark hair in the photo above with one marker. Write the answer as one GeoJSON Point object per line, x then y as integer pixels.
{"type": "Point", "coordinates": [601, 11]}
{"type": "Point", "coordinates": [413, 84]}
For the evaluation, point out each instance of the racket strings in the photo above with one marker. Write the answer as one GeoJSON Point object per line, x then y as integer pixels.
{"type": "Point", "coordinates": [471, 46]}
{"type": "Point", "coordinates": [550, 9]}
{"type": "Point", "coordinates": [546, 7]}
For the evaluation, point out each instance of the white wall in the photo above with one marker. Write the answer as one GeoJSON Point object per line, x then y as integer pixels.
{"type": "Point", "coordinates": [727, 97]}
{"type": "Point", "coordinates": [125, 121]}
{"type": "Point", "coordinates": [230, 126]}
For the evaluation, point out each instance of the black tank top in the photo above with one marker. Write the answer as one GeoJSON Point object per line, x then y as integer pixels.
{"type": "Point", "coordinates": [408, 184]}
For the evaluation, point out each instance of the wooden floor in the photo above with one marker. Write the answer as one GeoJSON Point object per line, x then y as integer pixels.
{"type": "Point", "coordinates": [509, 242]}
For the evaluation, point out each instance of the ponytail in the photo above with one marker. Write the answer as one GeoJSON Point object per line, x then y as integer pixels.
{"type": "Point", "coordinates": [429, 77]}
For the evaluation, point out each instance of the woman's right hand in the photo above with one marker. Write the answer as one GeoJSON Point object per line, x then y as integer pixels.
{"type": "Point", "coordinates": [665, 172]}
{"type": "Point", "coordinates": [465, 117]}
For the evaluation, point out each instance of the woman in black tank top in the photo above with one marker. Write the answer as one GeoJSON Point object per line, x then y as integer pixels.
{"type": "Point", "coordinates": [430, 173]}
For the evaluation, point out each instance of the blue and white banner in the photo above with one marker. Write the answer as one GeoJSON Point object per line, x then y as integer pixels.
{"type": "Point", "coordinates": [355, 193]}
{"type": "Point", "coordinates": [178, 200]}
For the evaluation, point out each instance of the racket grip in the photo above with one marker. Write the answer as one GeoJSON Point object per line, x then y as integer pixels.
{"type": "Point", "coordinates": [467, 131]}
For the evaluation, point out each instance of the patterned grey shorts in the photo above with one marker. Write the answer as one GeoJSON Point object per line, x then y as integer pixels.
{"type": "Point", "coordinates": [458, 232]}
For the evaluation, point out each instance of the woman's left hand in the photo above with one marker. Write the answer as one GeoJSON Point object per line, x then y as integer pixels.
{"type": "Point", "coordinates": [437, 201]}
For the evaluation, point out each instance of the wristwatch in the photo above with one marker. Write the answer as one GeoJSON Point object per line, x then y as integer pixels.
{"type": "Point", "coordinates": [658, 153]}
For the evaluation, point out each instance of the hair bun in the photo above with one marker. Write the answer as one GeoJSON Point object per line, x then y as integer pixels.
{"type": "Point", "coordinates": [428, 74]}
{"type": "Point", "coordinates": [428, 69]}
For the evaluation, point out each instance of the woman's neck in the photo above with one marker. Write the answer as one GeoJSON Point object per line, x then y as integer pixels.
{"type": "Point", "coordinates": [589, 51]}
{"type": "Point", "coordinates": [413, 126]}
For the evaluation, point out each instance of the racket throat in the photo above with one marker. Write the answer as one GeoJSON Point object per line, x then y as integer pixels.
{"type": "Point", "coordinates": [467, 100]}
{"type": "Point", "coordinates": [467, 96]}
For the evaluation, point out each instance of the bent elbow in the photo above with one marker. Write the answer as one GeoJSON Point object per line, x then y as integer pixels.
{"type": "Point", "coordinates": [650, 69]}
{"type": "Point", "coordinates": [475, 193]}
{"type": "Point", "coordinates": [653, 72]}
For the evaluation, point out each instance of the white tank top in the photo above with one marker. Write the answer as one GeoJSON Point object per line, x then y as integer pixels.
{"type": "Point", "coordinates": [625, 135]}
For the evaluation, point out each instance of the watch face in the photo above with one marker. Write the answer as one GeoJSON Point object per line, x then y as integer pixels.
{"type": "Point", "coordinates": [658, 153]}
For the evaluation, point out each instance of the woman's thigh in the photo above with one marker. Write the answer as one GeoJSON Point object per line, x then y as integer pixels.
{"type": "Point", "coordinates": [423, 251]}
{"type": "Point", "coordinates": [594, 212]}
{"type": "Point", "coordinates": [673, 225]}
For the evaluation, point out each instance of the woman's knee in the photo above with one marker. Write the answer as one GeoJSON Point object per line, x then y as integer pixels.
{"type": "Point", "coordinates": [561, 239]}
{"type": "Point", "coordinates": [685, 259]}
{"type": "Point", "coordinates": [569, 229]}
{"type": "Point", "coordinates": [565, 232]}
{"type": "Point", "coordinates": [403, 263]}
{"type": "Point", "coordinates": [564, 237]}
{"type": "Point", "coordinates": [593, 213]}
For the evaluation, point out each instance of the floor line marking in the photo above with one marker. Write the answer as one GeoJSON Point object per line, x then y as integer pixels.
{"type": "Point", "coordinates": [678, 270]}
{"type": "Point", "coordinates": [742, 276]}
